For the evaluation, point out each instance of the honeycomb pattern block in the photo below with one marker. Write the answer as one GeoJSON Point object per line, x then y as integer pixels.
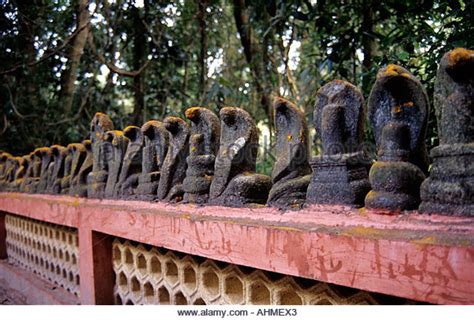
{"type": "Point", "coordinates": [50, 251]}
{"type": "Point", "coordinates": [151, 275]}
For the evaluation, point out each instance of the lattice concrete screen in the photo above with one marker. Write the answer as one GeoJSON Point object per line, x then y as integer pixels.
{"type": "Point", "coordinates": [151, 275]}
{"type": "Point", "coordinates": [48, 250]}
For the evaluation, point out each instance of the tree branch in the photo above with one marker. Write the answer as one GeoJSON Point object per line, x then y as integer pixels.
{"type": "Point", "coordinates": [12, 104]}
{"type": "Point", "coordinates": [5, 127]}
{"type": "Point", "coordinates": [112, 67]}
{"type": "Point", "coordinates": [285, 51]}
{"type": "Point", "coordinates": [156, 41]}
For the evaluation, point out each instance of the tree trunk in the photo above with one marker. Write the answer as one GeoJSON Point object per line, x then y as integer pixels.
{"type": "Point", "coordinates": [367, 28]}
{"type": "Point", "coordinates": [202, 4]}
{"type": "Point", "coordinates": [255, 58]}
{"type": "Point", "coordinates": [69, 77]}
{"type": "Point", "coordinates": [27, 15]}
{"type": "Point", "coordinates": [139, 56]}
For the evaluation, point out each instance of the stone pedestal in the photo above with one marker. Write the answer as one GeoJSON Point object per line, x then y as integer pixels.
{"type": "Point", "coordinates": [450, 187]}
{"type": "Point", "coordinates": [339, 179]}
{"type": "Point", "coordinates": [148, 186]}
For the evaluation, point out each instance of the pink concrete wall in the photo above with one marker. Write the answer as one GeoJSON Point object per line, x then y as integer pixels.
{"type": "Point", "coordinates": [423, 257]}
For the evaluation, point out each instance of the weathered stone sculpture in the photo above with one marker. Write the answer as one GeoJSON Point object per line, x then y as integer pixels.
{"type": "Point", "coordinates": [45, 154]}
{"type": "Point", "coordinates": [235, 182]}
{"type": "Point", "coordinates": [115, 145]}
{"type": "Point", "coordinates": [3, 164]}
{"type": "Point", "coordinates": [9, 161]}
{"type": "Point", "coordinates": [66, 179]}
{"type": "Point", "coordinates": [398, 109]}
{"type": "Point", "coordinates": [28, 172]}
{"type": "Point", "coordinates": [20, 174]}
{"type": "Point", "coordinates": [80, 168]}
{"type": "Point", "coordinates": [32, 177]}
{"type": "Point", "coordinates": [10, 167]}
{"type": "Point", "coordinates": [340, 172]}
{"type": "Point", "coordinates": [173, 170]}
{"type": "Point", "coordinates": [16, 164]}
{"type": "Point", "coordinates": [291, 172]}
{"type": "Point", "coordinates": [4, 169]}
{"type": "Point", "coordinates": [203, 147]}
{"type": "Point", "coordinates": [154, 152]}
{"type": "Point", "coordinates": [97, 179]}
{"type": "Point", "coordinates": [450, 188]}
{"type": "Point", "coordinates": [132, 164]}
{"type": "Point", "coordinates": [58, 154]}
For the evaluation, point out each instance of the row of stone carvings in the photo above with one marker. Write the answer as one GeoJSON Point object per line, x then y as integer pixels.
{"type": "Point", "coordinates": [213, 161]}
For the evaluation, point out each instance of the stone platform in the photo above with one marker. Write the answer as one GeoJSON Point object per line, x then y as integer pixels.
{"type": "Point", "coordinates": [427, 258]}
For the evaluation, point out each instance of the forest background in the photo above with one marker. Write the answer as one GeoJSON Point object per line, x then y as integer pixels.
{"type": "Point", "coordinates": [136, 60]}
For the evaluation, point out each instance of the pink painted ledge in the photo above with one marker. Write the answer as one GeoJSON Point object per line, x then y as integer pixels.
{"type": "Point", "coordinates": [422, 257]}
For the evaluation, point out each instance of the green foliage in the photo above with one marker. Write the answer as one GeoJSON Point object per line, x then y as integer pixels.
{"type": "Point", "coordinates": [300, 44]}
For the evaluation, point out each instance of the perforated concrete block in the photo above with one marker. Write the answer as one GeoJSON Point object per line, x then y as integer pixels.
{"type": "Point", "coordinates": [258, 290]}
{"type": "Point", "coordinates": [234, 289]}
{"type": "Point", "coordinates": [154, 275]}
{"type": "Point", "coordinates": [210, 281]}
{"type": "Point", "coordinates": [48, 250]}
{"type": "Point", "coordinates": [170, 270]}
{"type": "Point", "coordinates": [188, 275]}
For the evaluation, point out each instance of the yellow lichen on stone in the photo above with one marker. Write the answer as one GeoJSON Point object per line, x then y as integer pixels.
{"type": "Point", "coordinates": [382, 164]}
{"type": "Point", "coordinates": [127, 128]}
{"type": "Point", "coordinates": [458, 55]}
{"type": "Point", "coordinates": [191, 113]}
{"type": "Point", "coordinates": [397, 109]}
{"type": "Point", "coordinates": [364, 231]}
{"type": "Point", "coordinates": [43, 151]}
{"type": "Point", "coordinates": [76, 202]}
{"type": "Point", "coordinates": [425, 240]}
{"type": "Point", "coordinates": [393, 70]}
{"type": "Point", "coordinates": [363, 211]}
